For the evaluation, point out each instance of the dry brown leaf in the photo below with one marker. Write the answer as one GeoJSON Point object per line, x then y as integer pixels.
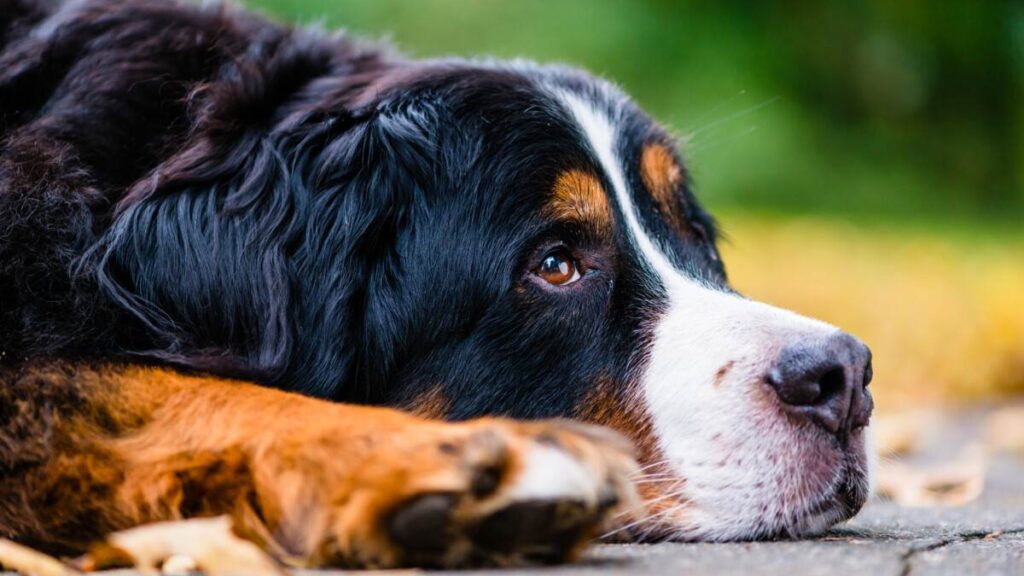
{"type": "Point", "coordinates": [902, 433]}
{"type": "Point", "coordinates": [1005, 429]}
{"type": "Point", "coordinates": [179, 566]}
{"type": "Point", "coordinates": [948, 484]}
{"type": "Point", "coordinates": [209, 543]}
{"type": "Point", "coordinates": [25, 560]}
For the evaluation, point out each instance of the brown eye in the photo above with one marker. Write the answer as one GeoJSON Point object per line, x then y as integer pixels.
{"type": "Point", "coordinates": [558, 268]}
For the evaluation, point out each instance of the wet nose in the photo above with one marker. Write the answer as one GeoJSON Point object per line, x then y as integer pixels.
{"type": "Point", "coordinates": [825, 381]}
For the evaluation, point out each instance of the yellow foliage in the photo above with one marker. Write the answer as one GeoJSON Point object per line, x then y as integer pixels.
{"type": "Point", "coordinates": [944, 315]}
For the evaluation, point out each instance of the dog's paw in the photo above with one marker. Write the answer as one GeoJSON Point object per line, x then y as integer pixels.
{"type": "Point", "coordinates": [483, 493]}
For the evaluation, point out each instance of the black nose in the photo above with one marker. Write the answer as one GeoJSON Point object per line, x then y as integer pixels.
{"type": "Point", "coordinates": [825, 381]}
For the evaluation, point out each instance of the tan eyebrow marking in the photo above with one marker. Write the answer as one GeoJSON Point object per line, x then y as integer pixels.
{"type": "Point", "coordinates": [579, 196]}
{"type": "Point", "coordinates": [662, 176]}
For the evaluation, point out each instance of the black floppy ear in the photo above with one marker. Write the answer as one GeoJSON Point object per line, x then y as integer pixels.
{"type": "Point", "coordinates": [238, 244]}
{"type": "Point", "coordinates": [203, 262]}
{"type": "Point", "coordinates": [199, 250]}
{"type": "Point", "coordinates": [370, 182]}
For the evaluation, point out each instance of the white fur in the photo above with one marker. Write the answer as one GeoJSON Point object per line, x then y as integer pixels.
{"type": "Point", "coordinates": [744, 465]}
{"type": "Point", "coordinates": [551, 474]}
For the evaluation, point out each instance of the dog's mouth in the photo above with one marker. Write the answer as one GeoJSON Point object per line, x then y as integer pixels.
{"type": "Point", "coordinates": [838, 504]}
{"type": "Point", "coordinates": [787, 511]}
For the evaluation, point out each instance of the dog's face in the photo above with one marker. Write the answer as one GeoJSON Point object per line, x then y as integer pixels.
{"type": "Point", "coordinates": [552, 261]}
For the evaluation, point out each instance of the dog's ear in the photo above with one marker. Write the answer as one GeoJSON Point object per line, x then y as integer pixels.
{"type": "Point", "coordinates": [239, 242]}
{"type": "Point", "coordinates": [370, 184]}
{"type": "Point", "coordinates": [197, 250]}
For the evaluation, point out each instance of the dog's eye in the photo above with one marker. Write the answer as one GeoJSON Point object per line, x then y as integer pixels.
{"type": "Point", "coordinates": [558, 268]}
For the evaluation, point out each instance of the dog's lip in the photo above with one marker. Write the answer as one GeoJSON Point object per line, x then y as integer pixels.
{"type": "Point", "coordinates": [851, 500]}
{"type": "Point", "coordinates": [838, 502]}
{"type": "Point", "coordinates": [844, 499]}
{"type": "Point", "coordinates": [842, 492]}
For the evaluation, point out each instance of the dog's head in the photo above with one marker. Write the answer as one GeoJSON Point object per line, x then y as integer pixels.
{"type": "Point", "coordinates": [550, 259]}
{"type": "Point", "coordinates": [461, 239]}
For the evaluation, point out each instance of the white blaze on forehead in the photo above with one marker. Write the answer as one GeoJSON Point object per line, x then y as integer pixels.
{"type": "Point", "coordinates": [597, 127]}
{"type": "Point", "coordinates": [744, 465]}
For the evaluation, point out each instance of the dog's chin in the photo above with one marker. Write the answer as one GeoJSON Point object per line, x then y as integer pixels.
{"type": "Point", "coordinates": [837, 504]}
{"type": "Point", "coordinates": [802, 513]}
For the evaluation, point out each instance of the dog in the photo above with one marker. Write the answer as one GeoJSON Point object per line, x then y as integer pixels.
{"type": "Point", "coordinates": [385, 312]}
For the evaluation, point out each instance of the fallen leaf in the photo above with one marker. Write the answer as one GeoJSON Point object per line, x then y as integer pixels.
{"type": "Point", "coordinates": [178, 565]}
{"type": "Point", "coordinates": [1005, 429]}
{"type": "Point", "coordinates": [953, 483]}
{"type": "Point", "coordinates": [902, 433]}
{"type": "Point", "coordinates": [209, 544]}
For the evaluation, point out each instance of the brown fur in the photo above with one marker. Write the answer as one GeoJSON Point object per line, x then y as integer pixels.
{"type": "Point", "coordinates": [579, 197]}
{"type": "Point", "coordinates": [609, 405]}
{"type": "Point", "coordinates": [87, 451]}
{"type": "Point", "coordinates": [663, 176]}
{"type": "Point", "coordinates": [431, 403]}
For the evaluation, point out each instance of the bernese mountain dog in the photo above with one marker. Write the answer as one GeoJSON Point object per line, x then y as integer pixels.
{"type": "Point", "coordinates": [381, 311]}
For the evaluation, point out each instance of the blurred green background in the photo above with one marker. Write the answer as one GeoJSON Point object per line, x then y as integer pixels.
{"type": "Point", "coordinates": [866, 158]}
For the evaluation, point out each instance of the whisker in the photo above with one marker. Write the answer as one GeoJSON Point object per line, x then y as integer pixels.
{"type": "Point", "coordinates": [720, 141]}
{"type": "Point", "coordinates": [652, 479]}
{"type": "Point", "coordinates": [675, 494]}
{"type": "Point", "coordinates": [653, 474]}
{"type": "Point", "coordinates": [714, 109]}
{"type": "Point", "coordinates": [653, 464]}
{"type": "Point", "coordinates": [733, 116]}
{"type": "Point", "coordinates": [641, 521]}
{"type": "Point", "coordinates": [649, 464]}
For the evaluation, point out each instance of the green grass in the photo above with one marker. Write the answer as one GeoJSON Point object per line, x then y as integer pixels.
{"type": "Point", "coordinates": [866, 159]}
{"type": "Point", "coordinates": [863, 112]}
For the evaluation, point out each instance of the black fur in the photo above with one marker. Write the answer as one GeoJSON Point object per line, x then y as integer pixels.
{"type": "Point", "coordinates": [199, 187]}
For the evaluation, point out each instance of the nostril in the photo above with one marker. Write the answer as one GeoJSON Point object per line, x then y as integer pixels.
{"type": "Point", "coordinates": [869, 373]}
{"type": "Point", "coordinates": [832, 384]}
{"type": "Point", "coordinates": [811, 388]}
{"type": "Point", "coordinates": [794, 391]}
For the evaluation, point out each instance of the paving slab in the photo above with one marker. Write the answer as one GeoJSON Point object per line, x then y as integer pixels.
{"type": "Point", "coordinates": [988, 555]}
